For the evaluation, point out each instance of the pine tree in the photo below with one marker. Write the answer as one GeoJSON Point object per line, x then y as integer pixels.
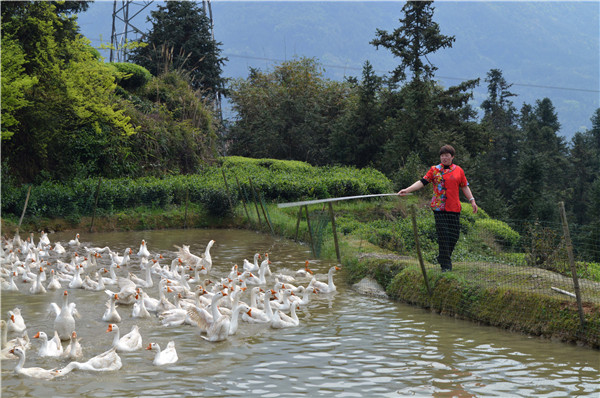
{"type": "Point", "coordinates": [181, 39]}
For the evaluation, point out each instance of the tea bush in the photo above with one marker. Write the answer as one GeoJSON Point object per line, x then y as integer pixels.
{"type": "Point", "coordinates": [274, 180]}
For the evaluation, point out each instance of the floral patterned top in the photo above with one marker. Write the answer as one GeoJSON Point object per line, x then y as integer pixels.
{"type": "Point", "coordinates": [446, 182]}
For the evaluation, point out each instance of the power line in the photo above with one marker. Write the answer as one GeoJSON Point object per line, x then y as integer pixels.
{"type": "Point", "coordinates": [441, 77]}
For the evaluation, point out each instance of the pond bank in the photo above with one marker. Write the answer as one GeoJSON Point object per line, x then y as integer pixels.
{"type": "Point", "coordinates": [521, 307]}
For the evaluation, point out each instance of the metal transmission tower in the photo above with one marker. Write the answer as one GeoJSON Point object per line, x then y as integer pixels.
{"type": "Point", "coordinates": [208, 11]}
{"type": "Point", "coordinates": [122, 27]}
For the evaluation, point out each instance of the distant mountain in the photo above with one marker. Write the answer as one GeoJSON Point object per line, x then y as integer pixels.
{"type": "Point", "coordinates": [546, 49]}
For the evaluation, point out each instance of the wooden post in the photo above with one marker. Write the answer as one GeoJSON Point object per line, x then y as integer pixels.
{"type": "Point", "coordinates": [255, 204]}
{"type": "Point", "coordinates": [418, 245]}
{"type": "Point", "coordinates": [227, 188]}
{"type": "Point", "coordinates": [298, 223]}
{"type": "Point", "coordinates": [335, 240]}
{"type": "Point", "coordinates": [24, 208]}
{"type": "Point", "coordinates": [187, 196]}
{"type": "Point", "coordinates": [563, 216]}
{"type": "Point", "coordinates": [242, 196]}
{"type": "Point", "coordinates": [95, 203]}
{"type": "Point", "coordinates": [312, 241]}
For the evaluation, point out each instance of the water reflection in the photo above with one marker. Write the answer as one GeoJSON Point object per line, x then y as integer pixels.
{"type": "Point", "coordinates": [347, 345]}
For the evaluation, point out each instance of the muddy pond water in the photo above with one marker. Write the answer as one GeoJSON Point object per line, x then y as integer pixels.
{"type": "Point", "coordinates": [347, 344]}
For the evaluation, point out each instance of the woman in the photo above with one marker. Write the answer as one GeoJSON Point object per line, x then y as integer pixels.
{"type": "Point", "coordinates": [446, 178]}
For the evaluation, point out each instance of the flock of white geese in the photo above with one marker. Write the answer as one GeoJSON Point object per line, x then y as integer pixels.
{"type": "Point", "coordinates": [187, 295]}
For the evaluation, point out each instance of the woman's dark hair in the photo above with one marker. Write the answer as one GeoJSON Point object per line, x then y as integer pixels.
{"type": "Point", "coordinates": [447, 149]}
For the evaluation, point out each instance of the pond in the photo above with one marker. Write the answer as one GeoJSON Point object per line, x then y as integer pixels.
{"type": "Point", "coordinates": [346, 345]}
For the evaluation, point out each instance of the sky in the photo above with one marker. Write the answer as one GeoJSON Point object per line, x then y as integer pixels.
{"type": "Point", "coordinates": [542, 52]}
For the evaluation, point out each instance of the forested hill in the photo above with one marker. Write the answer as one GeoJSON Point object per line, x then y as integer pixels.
{"type": "Point", "coordinates": [546, 49]}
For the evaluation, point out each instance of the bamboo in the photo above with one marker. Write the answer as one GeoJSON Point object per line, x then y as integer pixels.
{"type": "Point", "coordinates": [312, 241]}
{"type": "Point", "coordinates": [563, 216]}
{"type": "Point", "coordinates": [311, 202]}
{"type": "Point", "coordinates": [335, 239]}
{"type": "Point", "coordinates": [95, 203]}
{"type": "Point", "coordinates": [255, 200]}
{"type": "Point", "coordinates": [418, 246]}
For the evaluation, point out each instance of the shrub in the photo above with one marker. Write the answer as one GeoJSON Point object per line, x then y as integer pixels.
{"type": "Point", "coordinates": [503, 234]}
{"type": "Point", "coordinates": [131, 76]}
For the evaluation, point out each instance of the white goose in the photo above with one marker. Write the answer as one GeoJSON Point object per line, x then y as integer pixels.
{"type": "Point", "coordinates": [255, 314]}
{"type": "Point", "coordinates": [58, 248]}
{"type": "Point", "coordinates": [49, 348]}
{"type": "Point", "coordinates": [202, 317]}
{"type": "Point", "coordinates": [139, 308]}
{"type": "Point", "coordinates": [322, 287]}
{"type": "Point", "coordinates": [304, 273]}
{"type": "Point", "coordinates": [76, 282]}
{"type": "Point", "coordinates": [37, 287]}
{"type": "Point", "coordinates": [44, 238]}
{"type": "Point", "coordinates": [143, 252]}
{"type": "Point", "coordinates": [107, 361]}
{"type": "Point", "coordinates": [111, 314]}
{"type": "Point", "coordinates": [127, 292]}
{"type": "Point", "coordinates": [262, 271]}
{"type": "Point", "coordinates": [8, 345]}
{"type": "Point", "coordinates": [35, 372]}
{"type": "Point", "coordinates": [164, 357]}
{"type": "Point", "coordinates": [146, 282]}
{"type": "Point", "coordinates": [113, 279]}
{"type": "Point", "coordinates": [225, 326]}
{"type": "Point", "coordinates": [16, 322]}
{"type": "Point", "coordinates": [132, 341]}
{"type": "Point", "coordinates": [10, 285]}
{"type": "Point", "coordinates": [92, 285]}
{"type": "Point", "coordinates": [281, 320]}
{"type": "Point", "coordinates": [75, 241]}
{"type": "Point", "coordinates": [73, 350]}
{"type": "Point", "coordinates": [124, 260]}
{"type": "Point", "coordinates": [53, 283]}
{"type": "Point", "coordinates": [248, 266]}
{"type": "Point", "coordinates": [64, 323]}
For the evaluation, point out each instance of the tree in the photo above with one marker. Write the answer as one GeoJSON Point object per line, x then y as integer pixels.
{"type": "Point", "coordinates": [417, 37]}
{"type": "Point", "coordinates": [542, 164]}
{"type": "Point", "coordinates": [288, 113]}
{"type": "Point", "coordinates": [181, 38]}
{"type": "Point", "coordinates": [359, 138]}
{"type": "Point", "coordinates": [15, 85]}
{"type": "Point", "coordinates": [72, 90]}
{"type": "Point", "coordinates": [426, 115]}
{"type": "Point", "coordinates": [497, 162]}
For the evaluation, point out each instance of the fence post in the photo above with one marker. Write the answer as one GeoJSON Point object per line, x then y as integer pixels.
{"type": "Point", "coordinates": [255, 200]}
{"type": "Point", "coordinates": [262, 206]}
{"type": "Point", "coordinates": [312, 240]}
{"type": "Point", "coordinates": [95, 203]}
{"type": "Point", "coordinates": [418, 245]}
{"type": "Point", "coordinates": [242, 196]}
{"type": "Point", "coordinates": [335, 240]}
{"type": "Point", "coordinates": [569, 245]}
{"type": "Point", "coordinates": [227, 188]}
{"type": "Point", "coordinates": [24, 208]}
{"type": "Point", "coordinates": [187, 196]}
{"type": "Point", "coordinates": [298, 223]}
